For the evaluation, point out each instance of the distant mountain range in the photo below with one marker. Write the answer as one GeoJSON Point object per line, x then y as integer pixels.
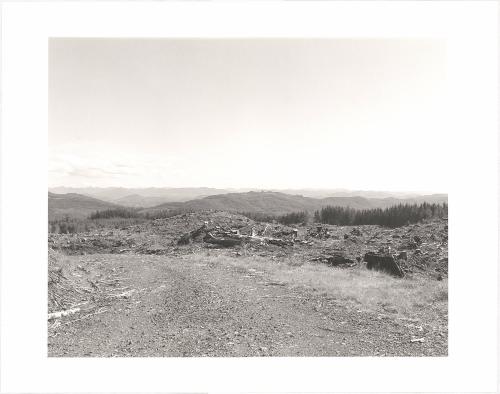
{"type": "Point", "coordinates": [268, 202]}
{"type": "Point", "coordinates": [75, 205]}
{"type": "Point", "coordinates": [141, 197]}
{"type": "Point", "coordinates": [279, 203]}
{"type": "Point", "coordinates": [150, 197]}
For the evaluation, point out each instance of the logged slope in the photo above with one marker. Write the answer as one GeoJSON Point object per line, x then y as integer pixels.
{"type": "Point", "coordinates": [75, 205]}
{"type": "Point", "coordinates": [268, 202]}
{"type": "Point", "coordinates": [280, 203]}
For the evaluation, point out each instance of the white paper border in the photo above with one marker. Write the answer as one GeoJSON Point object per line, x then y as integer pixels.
{"type": "Point", "coordinates": [470, 29]}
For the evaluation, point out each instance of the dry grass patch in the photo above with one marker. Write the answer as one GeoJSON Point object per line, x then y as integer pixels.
{"type": "Point", "coordinates": [362, 288]}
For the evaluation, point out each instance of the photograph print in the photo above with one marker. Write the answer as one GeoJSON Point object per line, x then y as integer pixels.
{"type": "Point", "coordinates": [247, 197]}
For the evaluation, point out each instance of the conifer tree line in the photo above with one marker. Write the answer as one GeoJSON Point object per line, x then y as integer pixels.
{"type": "Point", "coordinates": [287, 219]}
{"type": "Point", "coordinates": [133, 213]}
{"type": "Point", "coordinates": [398, 215]}
{"type": "Point", "coordinates": [394, 216]}
{"type": "Point", "coordinates": [294, 218]}
{"type": "Point", "coordinates": [115, 213]}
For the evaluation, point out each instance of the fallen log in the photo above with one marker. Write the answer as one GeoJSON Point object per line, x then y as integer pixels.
{"type": "Point", "coordinates": [228, 238]}
{"type": "Point", "coordinates": [224, 241]}
{"type": "Point", "coordinates": [335, 260]}
{"type": "Point", "coordinates": [278, 241]}
{"type": "Point", "coordinates": [56, 315]}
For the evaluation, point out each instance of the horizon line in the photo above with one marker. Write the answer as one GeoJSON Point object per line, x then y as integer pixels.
{"type": "Point", "coordinates": [261, 189]}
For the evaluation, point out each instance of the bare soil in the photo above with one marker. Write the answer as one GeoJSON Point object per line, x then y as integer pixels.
{"type": "Point", "coordinates": [136, 291]}
{"type": "Point", "coordinates": [147, 305]}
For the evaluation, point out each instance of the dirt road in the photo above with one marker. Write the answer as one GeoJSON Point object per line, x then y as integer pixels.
{"type": "Point", "coordinates": [170, 306]}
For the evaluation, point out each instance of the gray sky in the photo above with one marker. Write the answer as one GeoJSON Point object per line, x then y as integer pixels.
{"type": "Point", "coordinates": [264, 113]}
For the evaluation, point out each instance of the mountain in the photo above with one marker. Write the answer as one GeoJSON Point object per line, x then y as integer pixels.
{"type": "Point", "coordinates": [358, 202]}
{"type": "Point", "coordinates": [324, 193]}
{"type": "Point", "coordinates": [151, 195]}
{"type": "Point", "coordinates": [430, 198]}
{"type": "Point", "coordinates": [268, 202]}
{"type": "Point", "coordinates": [75, 205]}
{"type": "Point", "coordinates": [279, 203]}
{"type": "Point", "coordinates": [136, 200]}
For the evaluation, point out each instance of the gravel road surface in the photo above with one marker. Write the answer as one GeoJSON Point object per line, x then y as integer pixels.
{"type": "Point", "coordinates": [171, 307]}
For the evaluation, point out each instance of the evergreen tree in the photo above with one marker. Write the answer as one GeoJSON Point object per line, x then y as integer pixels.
{"type": "Point", "coordinates": [398, 215]}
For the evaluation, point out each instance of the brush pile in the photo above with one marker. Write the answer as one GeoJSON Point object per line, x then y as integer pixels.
{"type": "Point", "coordinates": [63, 291]}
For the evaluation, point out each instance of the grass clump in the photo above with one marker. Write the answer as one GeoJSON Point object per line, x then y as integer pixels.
{"type": "Point", "coordinates": [361, 288]}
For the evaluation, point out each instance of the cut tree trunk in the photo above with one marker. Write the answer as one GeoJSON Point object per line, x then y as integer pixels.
{"type": "Point", "coordinates": [385, 263]}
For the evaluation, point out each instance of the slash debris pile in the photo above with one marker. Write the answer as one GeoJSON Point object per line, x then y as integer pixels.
{"type": "Point", "coordinates": [63, 291]}
{"type": "Point", "coordinates": [418, 249]}
{"type": "Point", "coordinates": [226, 236]}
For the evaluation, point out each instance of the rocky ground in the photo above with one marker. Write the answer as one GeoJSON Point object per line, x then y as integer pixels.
{"type": "Point", "coordinates": [166, 288]}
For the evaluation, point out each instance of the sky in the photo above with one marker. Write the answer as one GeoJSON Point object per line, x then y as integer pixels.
{"type": "Point", "coordinates": [363, 114]}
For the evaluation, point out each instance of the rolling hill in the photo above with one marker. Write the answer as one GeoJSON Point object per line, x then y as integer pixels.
{"type": "Point", "coordinates": [141, 197]}
{"type": "Point", "coordinates": [152, 196]}
{"type": "Point", "coordinates": [267, 202]}
{"type": "Point", "coordinates": [273, 203]}
{"type": "Point", "coordinates": [75, 205]}
{"type": "Point", "coordinates": [136, 201]}
{"type": "Point", "coordinates": [279, 203]}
